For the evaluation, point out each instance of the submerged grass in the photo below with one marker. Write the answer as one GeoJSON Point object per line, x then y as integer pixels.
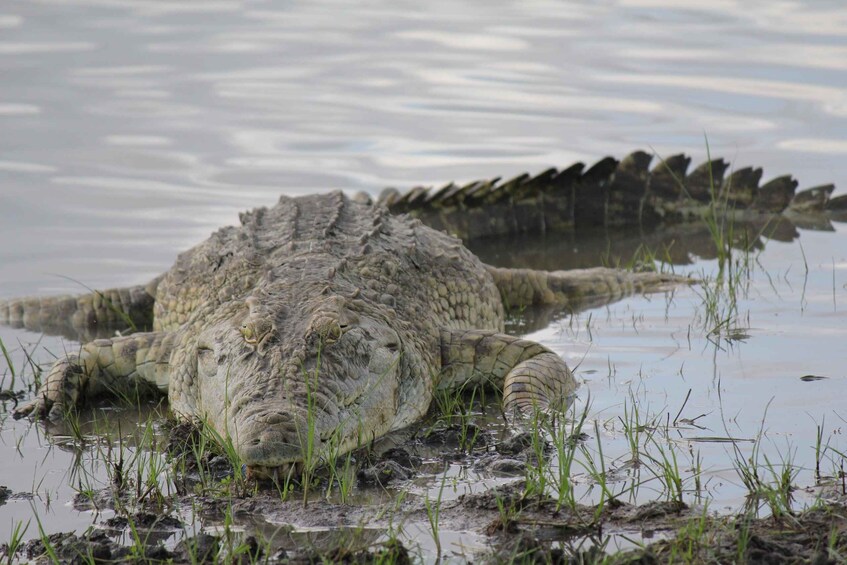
{"type": "Point", "coordinates": [433, 515]}
{"type": "Point", "coordinates": [19, 372]}
{"type": "Point", "coordinates": [15, 541]}
{"type": "Point", "coordinates": [10, 365]}
{"type": "Point", "coordinates": [213, 439]}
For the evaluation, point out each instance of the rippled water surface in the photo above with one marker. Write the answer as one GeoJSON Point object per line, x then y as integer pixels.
{"type": "Point", "coordinates": [130, 130]}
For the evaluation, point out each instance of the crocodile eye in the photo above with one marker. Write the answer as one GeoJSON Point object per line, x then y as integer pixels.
{"type": "Point", "coordinates": [249, 333]}
{"type": "Point", "coordinates": [332, 333]}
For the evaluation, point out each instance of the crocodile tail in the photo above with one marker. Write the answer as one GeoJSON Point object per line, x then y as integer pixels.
{"type": "Point", "coordinates": [609, 193]}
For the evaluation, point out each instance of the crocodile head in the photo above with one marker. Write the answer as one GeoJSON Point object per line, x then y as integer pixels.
{"type": "Point", "coordinates": [293, 383]}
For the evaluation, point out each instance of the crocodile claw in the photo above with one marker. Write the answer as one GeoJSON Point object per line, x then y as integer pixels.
{"type": "Point", "coordinates": [38, 407]}
{"type": "Point", "coordinates": [30, 408]}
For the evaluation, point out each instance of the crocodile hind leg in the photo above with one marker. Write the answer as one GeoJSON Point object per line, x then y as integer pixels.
{"type": "Point", "coordinates": [98, 313]}
{"type": "Point", "coordinates": [120, 366]}
{"type": "Point", "coordinates": [532, 376]}
{"type": "Point", "coordinates": [578, 289]}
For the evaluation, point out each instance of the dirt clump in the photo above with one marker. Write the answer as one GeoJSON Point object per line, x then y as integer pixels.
{"type": "Point", "coordinates": [537, 530]}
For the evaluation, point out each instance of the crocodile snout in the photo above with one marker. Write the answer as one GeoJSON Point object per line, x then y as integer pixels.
{"type": "Point", "coordinates": [274, 439]}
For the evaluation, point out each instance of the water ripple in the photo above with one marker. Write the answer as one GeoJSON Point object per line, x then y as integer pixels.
{"type": "Point", "coordinates": [466, 41]}
{"type": "Point", "coordinates": [8, 109]}
{"type": "Point", "coordinates": [9, 21]}
{"type": "Point", "coordinates": [815, 145]}
{"type": "Point", "coordinates": [31, 48]}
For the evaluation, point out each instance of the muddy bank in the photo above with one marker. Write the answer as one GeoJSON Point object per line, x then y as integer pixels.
{"type": "Point", "coordinates": [218, 515]}
{"type": "Point", "coordinates": [530, 530]}
{"type": "Point", "coordinates": [670, 532]}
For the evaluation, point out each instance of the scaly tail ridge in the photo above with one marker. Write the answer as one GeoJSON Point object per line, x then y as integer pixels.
{"type": "Point", "coordinates": [611, 193]}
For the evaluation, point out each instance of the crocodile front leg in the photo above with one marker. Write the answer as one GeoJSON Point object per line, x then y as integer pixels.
{"type": "Point", "coordinates": [122, 366]}
{"type": "Point", "coordinates": [79, 317]}
{"type": "Point", "coordinates": [532, 376]}
{"type": "Point", "coordinates": [578, 289]}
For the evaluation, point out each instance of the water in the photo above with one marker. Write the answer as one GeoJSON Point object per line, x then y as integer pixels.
{"type": "Point", "coordinates": [130, 130]}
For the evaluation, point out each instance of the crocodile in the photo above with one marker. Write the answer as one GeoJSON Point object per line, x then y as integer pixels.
{"type": "Point", "coordinates": [325, 322]}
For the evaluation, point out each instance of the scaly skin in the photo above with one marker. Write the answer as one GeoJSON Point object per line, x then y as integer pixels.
{"type": "Point", "coordinates": [324, 323]}
{"type": "Point", "coordinates": [123, 366]}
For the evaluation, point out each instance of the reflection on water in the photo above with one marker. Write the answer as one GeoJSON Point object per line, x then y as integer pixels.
{"type": "Point", "coordinates": [676, 245]}
{"type": "Point", "coordinates": [130, 130]}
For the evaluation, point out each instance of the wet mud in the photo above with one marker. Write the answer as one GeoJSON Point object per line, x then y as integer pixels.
{"type": "Point", "coordinates": [249, 521]}
{"type": "Point", "coordinates": [537, 532]}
